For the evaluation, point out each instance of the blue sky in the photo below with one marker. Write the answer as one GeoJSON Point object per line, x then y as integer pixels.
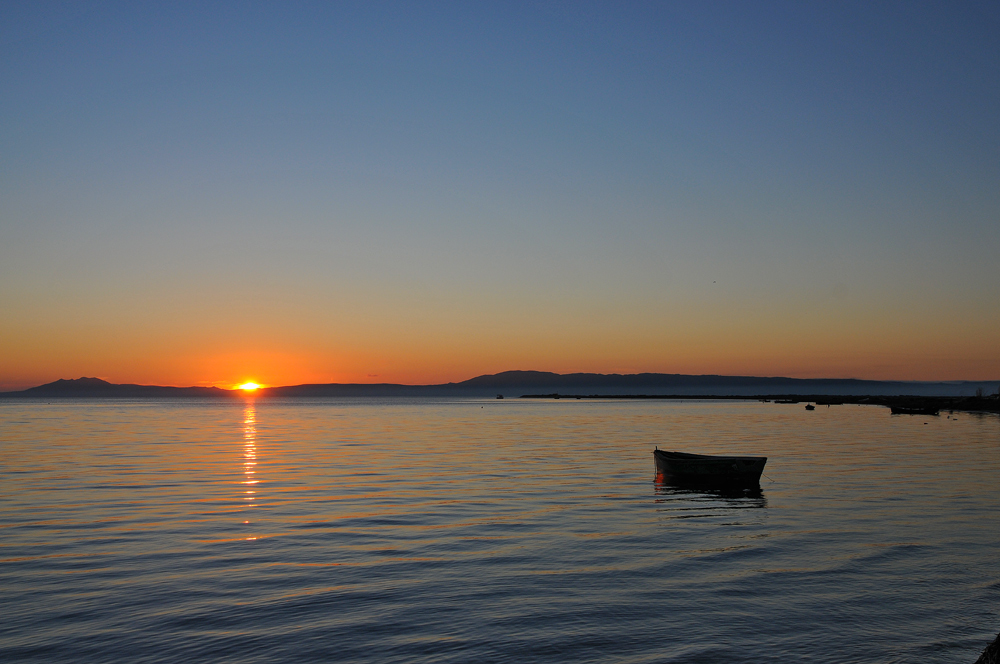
{"type": "Point", "coordinates": [418, 191]}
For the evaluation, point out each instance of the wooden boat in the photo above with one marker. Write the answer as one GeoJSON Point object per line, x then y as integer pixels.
{"type": "Point", "coordinates": [917, 410]}
{"type": "Point", "coordinates": [705, 469]}
{"type": "Point", "coordinates": [809, 406]}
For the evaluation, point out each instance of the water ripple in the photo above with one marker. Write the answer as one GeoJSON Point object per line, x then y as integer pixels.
{"type": "Point", "coordinates": [406, 531]}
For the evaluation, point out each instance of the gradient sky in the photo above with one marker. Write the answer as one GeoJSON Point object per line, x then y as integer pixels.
{"type": "Point", "coordinates": [203, 193]}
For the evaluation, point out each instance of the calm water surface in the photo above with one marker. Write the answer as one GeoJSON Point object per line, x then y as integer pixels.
{"type": "Point", "coordinates": [500, 531]}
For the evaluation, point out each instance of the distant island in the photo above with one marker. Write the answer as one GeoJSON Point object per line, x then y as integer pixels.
{"type": "Point", "coordinates": [543, 384]}
{"type": "Point", "coordinates": [95, 388]}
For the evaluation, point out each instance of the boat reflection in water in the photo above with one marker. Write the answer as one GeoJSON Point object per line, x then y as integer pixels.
{"type": "Point", "coordinates": [742, 496]}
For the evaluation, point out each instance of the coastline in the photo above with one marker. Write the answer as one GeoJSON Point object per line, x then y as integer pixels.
{"type": "Point", "coordinates": [990, 404]}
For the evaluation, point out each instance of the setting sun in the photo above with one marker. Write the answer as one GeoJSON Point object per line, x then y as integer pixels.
{"type": "Point", "coordinates": [249, 387]}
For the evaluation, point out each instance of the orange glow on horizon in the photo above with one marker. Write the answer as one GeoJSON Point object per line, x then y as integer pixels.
{"type": "Point", "coordinates": [249, 387]}
{"type": "Point", "coordinates": [774, 344]}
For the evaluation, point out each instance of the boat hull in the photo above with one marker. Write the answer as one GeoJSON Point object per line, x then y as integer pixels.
{"type": "Point", "coordinates": [707, 470]}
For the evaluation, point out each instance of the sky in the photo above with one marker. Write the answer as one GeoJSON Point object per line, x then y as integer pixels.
{"type": "Point", "coordinates": [208, 193]}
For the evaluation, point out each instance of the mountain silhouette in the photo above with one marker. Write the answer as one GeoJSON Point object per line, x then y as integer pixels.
{"type": "Point", "coordinates": [85, 388]}
{"type": "Point", "coordinates": [519, 383]}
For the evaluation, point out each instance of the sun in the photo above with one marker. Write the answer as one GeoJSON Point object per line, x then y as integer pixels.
{"type": "Point", "coordinates": [249, 387]}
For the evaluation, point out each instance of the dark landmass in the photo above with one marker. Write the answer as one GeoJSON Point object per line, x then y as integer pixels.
{"type": "Point", "coordinates": [540, 384]}
{"type": "Point", "coordinates": [97, 388]}
{"type": "Point", "coordinates": [988, 404]}
{"type": "Point", "coordinates": [916, 404]}
{"type": "Point", "coordinates": [991, 655]}
{"type": "Point", "coordinates": [517, 383]}
{"type": "Point", "coordinates": [366, 390]}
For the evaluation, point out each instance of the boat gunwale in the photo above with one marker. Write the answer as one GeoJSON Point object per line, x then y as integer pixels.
{"type": "Point", "coordinates": [681, 456]}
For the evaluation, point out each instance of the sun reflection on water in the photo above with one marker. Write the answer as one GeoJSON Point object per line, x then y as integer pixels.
{"type": "Point", "coordinates": [249, 454]}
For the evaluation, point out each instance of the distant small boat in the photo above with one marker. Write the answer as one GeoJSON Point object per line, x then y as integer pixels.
{"type": "Point", "coordinates": [499, 396]}
{"type": "Point", "coordinates": [809, 406]}
{"type": "Point", "coordinates": [916, 410]}
{"type": "Point", "coordinates": [708, 469]}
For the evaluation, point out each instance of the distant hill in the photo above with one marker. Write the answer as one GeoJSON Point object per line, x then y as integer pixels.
{"type": "Point", "coordinates": [518, 383]}
{"type": "Point", "coordinates": [539, 382]}
{"type": "Point", "coordinates": [84, 388]}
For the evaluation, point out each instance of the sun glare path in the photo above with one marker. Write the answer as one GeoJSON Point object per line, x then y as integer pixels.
{"type": "Point", "coordinates": [249, 387]}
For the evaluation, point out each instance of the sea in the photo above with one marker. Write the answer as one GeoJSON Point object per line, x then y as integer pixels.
{"type": "Point", "coordinates": [434, 530]}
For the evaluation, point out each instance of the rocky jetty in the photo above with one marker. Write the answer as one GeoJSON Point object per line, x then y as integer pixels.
{"type": "Point", "coordinates": [992, 653]}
